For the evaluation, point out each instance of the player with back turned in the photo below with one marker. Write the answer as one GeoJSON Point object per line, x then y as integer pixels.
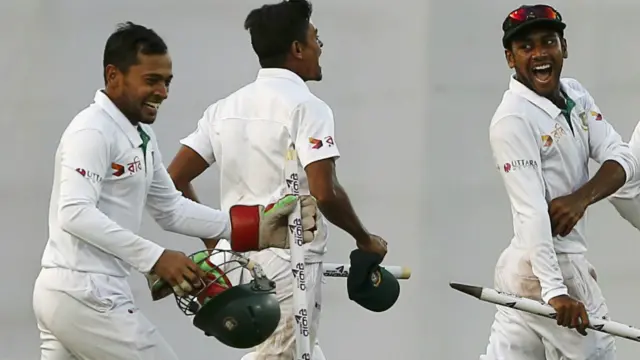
{"type": "Point", "coordinates": [247, 134]}
{"type": "Point", "coordinates": [542, 136]}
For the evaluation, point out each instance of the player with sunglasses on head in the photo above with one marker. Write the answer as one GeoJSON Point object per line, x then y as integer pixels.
{"type": "Point", "coordinates": [542, 136]}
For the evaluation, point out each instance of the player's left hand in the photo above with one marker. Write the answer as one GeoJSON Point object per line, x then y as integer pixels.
{"type": "Point", "coordinates": [257, 227]}
{"type": "Point", "coordinates": [565, 212]}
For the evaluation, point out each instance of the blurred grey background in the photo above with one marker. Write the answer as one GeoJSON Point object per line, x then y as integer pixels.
{"type": "Point", "coordinates": [413, 85]}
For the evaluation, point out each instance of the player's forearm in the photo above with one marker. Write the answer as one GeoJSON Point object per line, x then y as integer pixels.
{"type": "Point", "coordinates": [336, 207]}
{"type": "Point", "coordinates": [89, 224]}
{"type": "Point", "coordinates": [608, 179]}
{"type": "Point", "coordinates": [535, 230]}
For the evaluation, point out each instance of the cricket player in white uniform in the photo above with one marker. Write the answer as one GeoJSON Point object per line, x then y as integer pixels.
{"type": "Point", "coordinates": [252, 128]}
{"type": "Point", "coordinates": [108, 169]}
{"type": "Point", "coordinates": [542, 136]}
{"type": "Point", "coordinates": [627, 200]}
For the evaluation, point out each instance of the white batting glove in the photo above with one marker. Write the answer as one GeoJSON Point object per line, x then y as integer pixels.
{"type": "Point", "coordinates": [255, 227]}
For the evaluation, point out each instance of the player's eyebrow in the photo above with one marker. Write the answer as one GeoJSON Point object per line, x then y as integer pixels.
{"type": "Point", "coordinates": [157, 76]}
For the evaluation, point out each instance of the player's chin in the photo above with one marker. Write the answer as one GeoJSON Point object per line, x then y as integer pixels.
{"type": "Point", "coordinates": [318, 76]}
{"type": "Point", "coordinates": [148, 115]}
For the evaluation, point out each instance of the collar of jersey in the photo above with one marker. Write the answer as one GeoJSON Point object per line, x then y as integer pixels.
{"type": "Point", "coordinates": [278, 73]}
{"type": "Point", "coordinates": [102, 100]}
{"type": "Point", "coordinates": [545, 104]}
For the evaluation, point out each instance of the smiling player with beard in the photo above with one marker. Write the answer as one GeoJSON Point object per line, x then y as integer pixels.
{"type": "Point", "coordinates": [108, 171]}
{"type": "Point", "coordinates": [542, 136]}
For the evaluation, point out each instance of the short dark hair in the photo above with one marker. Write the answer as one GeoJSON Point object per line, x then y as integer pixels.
{"type": "Point", "coordinates": [274, 27]}
{"type": "Point", "coordinates": [124, 45]}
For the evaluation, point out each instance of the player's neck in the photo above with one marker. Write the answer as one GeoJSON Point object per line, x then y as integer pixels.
{"type": "Point", "coordinates": [557, 99]}
{"type": "Point", "coordinates": [119, 104]}
{"type": "Point", "coordinates": [555, 96]}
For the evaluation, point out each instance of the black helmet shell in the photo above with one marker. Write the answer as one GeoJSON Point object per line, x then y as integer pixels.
{"type": "Point", "coordinates": [241, 317]}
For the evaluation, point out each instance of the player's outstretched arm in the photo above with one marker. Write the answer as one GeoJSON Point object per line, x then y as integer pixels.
{"type": "Point", "coordinates": [247, 227]}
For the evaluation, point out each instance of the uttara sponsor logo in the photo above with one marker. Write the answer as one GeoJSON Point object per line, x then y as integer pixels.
{"type": "Point", "coordinates": [515, 165]}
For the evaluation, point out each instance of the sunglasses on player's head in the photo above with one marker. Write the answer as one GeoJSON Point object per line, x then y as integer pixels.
{"type": "Point", "coordinates": [531, 13]}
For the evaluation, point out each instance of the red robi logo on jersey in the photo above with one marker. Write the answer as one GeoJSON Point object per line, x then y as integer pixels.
{"type": "Point", "coordinates": [507, 167]}
{"type": "Point", "coordinates": [119, 169]}
{"type": "Point", "coordinates": [316, 143]}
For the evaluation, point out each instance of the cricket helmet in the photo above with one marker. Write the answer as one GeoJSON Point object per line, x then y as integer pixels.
{"type": "Point", "coordinates": [241, 315]}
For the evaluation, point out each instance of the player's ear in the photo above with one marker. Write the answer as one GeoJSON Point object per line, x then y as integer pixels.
{"type": "Point", "coordinates": [563, 45]}
{"type": "Point", "coordinates": [296, 49]}
{"type": "Point", "coordinates": [511, 61]}
{"type": "Point", "coordinates": [111, 74]}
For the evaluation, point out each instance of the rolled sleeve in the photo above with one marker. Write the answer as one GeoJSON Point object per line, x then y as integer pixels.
{"type": "Point", "coordinates": [315, 137]}
{"type": "Point", "coordinates": [517, 154]}
{"type": "Point", "coordinates": [84, 160]}
{"type": "Point", "coordinates": [200, 139]}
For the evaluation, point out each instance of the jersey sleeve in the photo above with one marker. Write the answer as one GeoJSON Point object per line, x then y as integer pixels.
{"type": "Point", "coordinates": [315, 138]}
{"type": "Point", "coordinates": [200, 140]}
{"type": "Point", "coordinates": [517, 154]}
{"type": "Point", "coordinates": [84, 160]}
{"type": "Point", "coordinates": [631, 189]}
{"type": "Point", "coordinates": [605, 143]}
{"type": "Point", "coordinates": [175, 213]}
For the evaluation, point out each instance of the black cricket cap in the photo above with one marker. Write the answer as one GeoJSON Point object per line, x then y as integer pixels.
{"type": "Point", "coordinates": [369, 284]}
{"type": "Point", "coordinates": [526, 16]}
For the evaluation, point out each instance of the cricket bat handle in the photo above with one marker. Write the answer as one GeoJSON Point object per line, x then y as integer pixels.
{"type": "Point", "coordinates": [342, 270]}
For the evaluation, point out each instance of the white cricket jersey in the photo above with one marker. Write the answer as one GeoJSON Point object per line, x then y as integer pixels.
{"type": "Point", "coordinates": [102, 183]}
{"type": "Point", "coordinates": [247, 135]}
{"type": "Point", "coordinates": [541, 157]}
{"type": "Point", "coordinates": [631, 189]}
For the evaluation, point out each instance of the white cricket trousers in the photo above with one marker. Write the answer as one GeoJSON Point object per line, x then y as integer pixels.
{"type": "Point", "coordinates": [281, 345]}
{"type": "Point", "coordinates": [516, 335]}
{"type": "Point", "coordinates": [316, 353]}
{"type": "Point", "coordinates": [85, 316]}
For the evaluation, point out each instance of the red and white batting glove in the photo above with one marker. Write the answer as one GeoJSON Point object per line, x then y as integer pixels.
{"type": "Point", "coordinates": [255, 227]}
